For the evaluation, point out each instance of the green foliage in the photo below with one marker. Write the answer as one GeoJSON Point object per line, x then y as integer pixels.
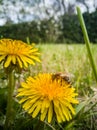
{"type": "Point", "coordinates": [21, 31]}
{"type": "Point", "coordinates": [49, 30]}
{"type": "Point", "coordinates": [91, 24]}
{"type": "Point", "coordinates": [71, 28]}
{"type": "Point", "coordinates": [66, 30]}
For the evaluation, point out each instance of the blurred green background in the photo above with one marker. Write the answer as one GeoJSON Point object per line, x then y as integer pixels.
{"type": "Point", "coordinates": [45, 21]}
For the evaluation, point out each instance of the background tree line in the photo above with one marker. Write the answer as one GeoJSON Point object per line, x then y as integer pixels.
{"type": "Point", "coordinates": [55, 22]}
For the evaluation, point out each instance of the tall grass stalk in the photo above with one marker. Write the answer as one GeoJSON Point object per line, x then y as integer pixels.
{"type": "Point", "coordinates": [86, 38]}
{"type": "Point", "coordinates": [9, 111]}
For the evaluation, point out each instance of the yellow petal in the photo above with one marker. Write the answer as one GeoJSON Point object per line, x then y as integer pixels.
{"type": "Point", "coordinates": [65, 111]}
{"type": "Point", "coordinates": [33, 50]}
{"type": "Point", "coordinates": [43, 106]}
{"type": "Point", "coordinates": [47, 103]}
{"type": "Point", "coordinates": [2, 57]}
{"type": "Point", "coordinates": [23, 60]}
{"type": "Point", "coordinates": [57, 115]}
{"type": "Point", "coordinates": [50, 112]}
{"type": "Point", "coordinates": [36, 111]}
{"type": "Point", "coordinates": [71, 108]}
{"type": "Point", "coordinates": [26, 104]}
{"type": "Point", "coordinates": [43, 115]}
{"type": "Point", "coordinates": [13, 59]}
{"type": "Point", "coordinates": [33, 107]}
{"type": "Point", "coordinates": [19, 61]}
{"type": "Point", "coordinates": [22, 100]}
{"type": "Point", "coordinates": [35, 58]}
{"type": "Point", "coordinates": [61, 114]}
{"type": "Point", "coordinates": [28, 60]}
{"type": "Point", "coordinates": [24, 85]}
{"type": "Point", "coordinates": [7, 62]}
{"type": "Point", "coordinates": [56, 103]}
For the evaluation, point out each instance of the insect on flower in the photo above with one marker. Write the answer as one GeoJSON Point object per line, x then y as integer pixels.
{"type": "Point", "coordinates": [63, 77]}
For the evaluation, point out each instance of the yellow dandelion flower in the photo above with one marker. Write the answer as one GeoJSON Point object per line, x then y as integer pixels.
{"type": "Point", "coordinates": [16, 52]}
{"type": "Point", "coordinates": [40, 95]}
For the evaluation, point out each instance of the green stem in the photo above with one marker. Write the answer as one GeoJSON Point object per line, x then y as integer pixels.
{"type": "Point", "coordinates": [70, 125]}
{"type": "Point", "coordinates": [49, 125]}
{"type": "Point", "coordinates": [9, 111]}
{"type": "Point", "coordinates": [86, 38]}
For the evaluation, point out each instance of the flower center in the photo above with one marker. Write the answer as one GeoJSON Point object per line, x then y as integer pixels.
{"type": "Point", "coordinates": [51, 91]}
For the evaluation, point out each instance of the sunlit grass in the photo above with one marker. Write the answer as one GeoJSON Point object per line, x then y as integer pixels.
{"type": "Point", "coordinates": [70, 58]}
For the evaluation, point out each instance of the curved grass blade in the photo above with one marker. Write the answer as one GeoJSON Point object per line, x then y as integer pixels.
{"type": "Point", "coordinates": [86, 38]}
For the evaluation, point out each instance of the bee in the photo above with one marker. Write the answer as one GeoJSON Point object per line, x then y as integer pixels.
{"type": "Point", "coordinates": [62, 77]}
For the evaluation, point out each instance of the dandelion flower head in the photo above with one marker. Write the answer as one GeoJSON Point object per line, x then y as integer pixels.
{"type": "Point", "coordinates": [46, 98]}
{"type": "Point", "coordinates": [16, 52]}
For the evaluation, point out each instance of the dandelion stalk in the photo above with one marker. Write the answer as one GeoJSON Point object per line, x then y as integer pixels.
{"type": "Point", "coordinates": [15, 55]}
{"type": "Point", "coordinates": [9, 111]}
{"type": "Point", "coordinates": [86, 38]}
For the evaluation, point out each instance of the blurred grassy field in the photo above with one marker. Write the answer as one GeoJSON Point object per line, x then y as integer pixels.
{"type": "Point", "coordinates": [63, 58]}
{"type": "Point", "coordinates": [72, 58]}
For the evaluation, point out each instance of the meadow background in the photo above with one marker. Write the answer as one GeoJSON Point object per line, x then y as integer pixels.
{"type": "Point", "coordinates": [72, 58]}
{"type": "Point", "coordinates": [55, 29]}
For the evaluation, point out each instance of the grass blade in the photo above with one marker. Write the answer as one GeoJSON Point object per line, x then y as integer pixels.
{"type": "Point", "coordinates": [86, 38]}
